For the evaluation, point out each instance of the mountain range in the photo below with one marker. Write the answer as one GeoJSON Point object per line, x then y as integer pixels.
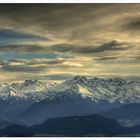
{"type": "Point", "coordinates": [32, 102]}
{"type": "Point", "coordinates": [111, 90]}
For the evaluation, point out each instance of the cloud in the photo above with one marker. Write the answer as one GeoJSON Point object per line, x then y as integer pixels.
{"type": "Point", "coordinates": [110, 46]}
{"type": "Point", "coordinates": [9, 36]}
{"type": "Point", "coordinates": [78, 23]}
{"type": "Point", "coordinates": [106, 58]}
{"type": "Point", "coordinates": [84, 35]}
{"type": "Point", "coordinates": [58, 76]}
{"type": "Point", "coordinates": [118, 58]}
{"type": "Point", "coordinates": [132, 23]}
{"type": "Point", "coordinates": [22, 68]}
{"type": "Point", "coordinates": [36, 65]}
{"type": "Point", "coordinates": [45, 61]}
{"type": "Point", "coordinates": [69, 21]}
{"type": "Point", "coordinates": [60, 69]}
{"type": "Point", "coordinates": [19, 66]}
{"type": "Point", "coordinates": [21, 48]}
{"type": "Point", "coordinates": [114, 45]}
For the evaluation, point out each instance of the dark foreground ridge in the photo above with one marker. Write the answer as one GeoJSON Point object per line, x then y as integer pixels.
{"type": "Point", "coordinates": [91, 125]}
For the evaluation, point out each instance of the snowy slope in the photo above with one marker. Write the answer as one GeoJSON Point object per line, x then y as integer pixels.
{"type": "Point", "coordinates": [6, 91]}
{"type": "Point", "coordinates": [30, 89]}
{"type": "Point", "coordinates": [110, 90]}
{"type": "Point", "coordinates": [33, 89]}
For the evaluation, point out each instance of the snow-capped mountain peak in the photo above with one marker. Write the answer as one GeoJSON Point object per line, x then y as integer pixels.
{"type": "Point", "coordinates": [30, 82]}
{"type": "Point", "coordinates": [110, 90]}
{"type": "Point", "coordinates": [78, 79]}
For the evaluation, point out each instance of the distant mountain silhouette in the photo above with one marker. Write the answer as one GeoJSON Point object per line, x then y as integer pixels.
{"type": "Point", "coordinates": [128, 113]}
{"type": "Point", "coordinates": [91, 125]}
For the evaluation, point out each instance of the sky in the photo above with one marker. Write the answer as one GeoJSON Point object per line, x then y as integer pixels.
{"type": "Point", "coordinates": [59, 41]}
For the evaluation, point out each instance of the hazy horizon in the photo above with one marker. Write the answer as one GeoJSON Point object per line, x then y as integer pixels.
{"type": "Point", "coordinates": [69, 78]}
